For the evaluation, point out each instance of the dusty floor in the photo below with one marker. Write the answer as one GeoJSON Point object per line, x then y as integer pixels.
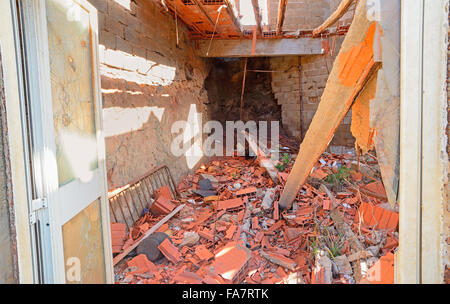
{"type": "Point", "coordinates": [237, 233]}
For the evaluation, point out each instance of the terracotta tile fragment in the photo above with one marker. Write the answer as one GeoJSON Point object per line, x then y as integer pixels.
{"type": "Point", "coordinates": [230, 204]}
{"type": "Point", "coordinates": [377, 217]}
{"type": "Point", "coordinates": [118, 236]}
{"type": "Point", "coordinates": [164, 191]}
{"type": "Point", "coordinates": [141, 263]}
{"type": "Point", "coordinates": [246, 191]}
{"type": "Point", "coordinates": [162, 205]}
{"type": "Point", "coordinates": [382, 272]}
{"type": "Point", "coordinates": [202, 253]}
{"type": "Point", "coordinates": [232, 262]}
{"type": "Point", "coordinates": [170, 251]}
{"type": "Point", "coordinates": [279, 260]}
{"type": "Point", "coordinates": [230, 232]}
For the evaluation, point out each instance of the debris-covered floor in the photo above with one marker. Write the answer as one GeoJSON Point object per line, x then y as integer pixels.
{"type": "Point", "coordinates": [340, 229]}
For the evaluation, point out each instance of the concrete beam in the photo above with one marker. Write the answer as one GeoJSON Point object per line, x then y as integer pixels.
{"type": "Point", "coordinates": [264, 47]}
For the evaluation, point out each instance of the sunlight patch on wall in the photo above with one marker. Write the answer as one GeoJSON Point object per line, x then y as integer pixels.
{"type": "Point", "coordinates": [193, 131]}
{"type": "Point", "coordinates": [119, 121]}
{"type": "Point", "coordinates": [121, 65]}
{"type": "Point", "coordinates": [124, 3]}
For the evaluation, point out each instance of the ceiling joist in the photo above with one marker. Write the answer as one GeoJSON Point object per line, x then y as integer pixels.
{"type": "Point", "coordinates": [281, 13]}
{"type": "Point", "coordinates": [202, 9]}
{"type": "Point", "coordinates": [258, 17]}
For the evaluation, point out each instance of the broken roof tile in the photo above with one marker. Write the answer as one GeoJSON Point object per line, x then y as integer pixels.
{"type": "Point", "coordinates": [170, 251]}
{"type": "Point", "coordinates": [232, 261]}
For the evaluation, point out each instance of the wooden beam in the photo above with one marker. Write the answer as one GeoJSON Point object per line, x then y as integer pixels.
{"type": "Point", "coordinates": [258, 17]}
{"type": "Point", "coordinates": [263, 47]}
{"type": "Point", "coordinates": [353, 67]}
{"type": "Point", "coordinates": [281, 12]}
{"type": "Point", "coordinates": [230, 10]}
{"type": "Point", "coordinates": [203, 10]}
{"type": "Point", "coordinates": [335, 16]}
{"type": "Point", "coordinates": [120, 256]}
{"type": "Point", "coordinates": [186, 21]}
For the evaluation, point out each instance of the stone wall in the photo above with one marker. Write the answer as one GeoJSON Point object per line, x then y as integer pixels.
{"type": "Point", "coordinates": [148, 82]}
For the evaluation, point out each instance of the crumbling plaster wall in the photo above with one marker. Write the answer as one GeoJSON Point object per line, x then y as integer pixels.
{"type": "Point", "coordinates": [8, 273]}
{"type": "Point", "coordinates": [148, 83]}
{"type": "Point", "coordinates": [447, 192]}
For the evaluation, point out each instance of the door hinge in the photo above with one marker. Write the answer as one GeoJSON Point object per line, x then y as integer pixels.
{"type": "Point", "coordinates": [37, 204]}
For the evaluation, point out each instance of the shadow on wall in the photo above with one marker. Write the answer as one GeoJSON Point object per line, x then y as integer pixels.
{"type": "Point", "coordinates": [148, 83]}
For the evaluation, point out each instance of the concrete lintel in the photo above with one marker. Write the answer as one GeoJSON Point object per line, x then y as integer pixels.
{"type": "Point", "coordinates": [264, 47]}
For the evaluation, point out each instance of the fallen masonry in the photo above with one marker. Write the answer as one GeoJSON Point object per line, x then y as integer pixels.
{"type": "Point", "coordinates": [330, 235]}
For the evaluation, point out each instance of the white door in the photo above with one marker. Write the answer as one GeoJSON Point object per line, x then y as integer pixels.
{"type": "Point", "coordinates": [68, 149]}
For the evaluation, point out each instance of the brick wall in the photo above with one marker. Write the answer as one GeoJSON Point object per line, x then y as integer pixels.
{"type": "Point", "coordinates": [148, 82]}
{"type": "Point", "coordinates": [300, 14]}
{"type": "Point", "coordinates": [286, 87]}
{"type": "Point", "coordinates": [313, 78]}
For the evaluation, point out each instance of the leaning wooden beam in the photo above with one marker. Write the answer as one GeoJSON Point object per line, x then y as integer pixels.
{"type": "Point", "coordinates": [263, 47]}
{"type": "Point", "coordinates": [120, 256]}
{"type": "Point", "coordinates": [258, 18]}
{"type": "Point", "coordinates": [281, 12]}
{"type": "Point", "coordinates": [335, 16]}
{"type": "Point", "coordinates": [353, 67]}
{"type": "Point", "coordinates": [203, 10]}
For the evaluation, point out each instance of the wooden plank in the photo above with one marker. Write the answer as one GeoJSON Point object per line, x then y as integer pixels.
{"type": "Point", "coordinates": [119, 257]}
{"type": "Point", "coordinates": [263, 155]}
{"type": "Point", "coordinates": [202, 9]}
{"type": "Point", "coordinates": [230, 10]}
{"type": "Point", "coordinates": [281, 12]}
{"type": "Point", "coordinates": [258, 18]}
{"type": "Point", "coordinates": [263, 47]}
{"type": "Point", "coordinates": [353, 67]}
{"type": "Point", "coordinates": [335, 16]}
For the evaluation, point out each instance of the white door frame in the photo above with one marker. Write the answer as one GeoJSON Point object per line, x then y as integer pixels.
{"type": "Point", "coordinates": [44, 154]}
{"type": "Point", "coordinates": [423, 141]}
{"type": "Point", "coordinates": [16, 140]}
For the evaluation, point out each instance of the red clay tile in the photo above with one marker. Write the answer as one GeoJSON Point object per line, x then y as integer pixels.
{"type": "Point", "coordinates": [382, 272]}
{"type": "Point", "coordinates": [170, 251]}
{"type": "Point", "coordinates": [118, 236]}
{"type": "Point", "coordinates": [207, 234]}
{"type": "Point", "coordinates": [327, 204]}
{"type": "Point", "coordinates": [230, 232]}
{"type": "Point", "coordinates": [164, 191]}
{"type": "Point", "coordinates": [232, 262]}
{"type": "Point", "coordinates": [276, 211]}
{"type": "Point", "coordinates": [202, 253]}
{"type": "Point", "coordinates": [246, 191]}
{"type": "Point", "coordinates": [376, 187]}
{"type": "Point", "coordinates": [377, 217]}
{"type": "Point", "coordinates": [141, 263]}
{"type": "Point", "coordinates": [162, 205]}
{"type": "Point", "coordinates": [231, 204]}
{"type": "Point", "coordinates": [255, 223]}
{"type": "Point", "coordinates": [188, 277]}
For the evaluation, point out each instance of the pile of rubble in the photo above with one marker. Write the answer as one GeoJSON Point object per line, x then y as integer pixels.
{"type": "Point", "coordinates": [230, 228]}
